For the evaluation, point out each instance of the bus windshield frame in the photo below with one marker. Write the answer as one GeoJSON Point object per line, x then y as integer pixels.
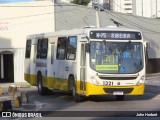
{"type": "Point", "coordinates": [115, 57]}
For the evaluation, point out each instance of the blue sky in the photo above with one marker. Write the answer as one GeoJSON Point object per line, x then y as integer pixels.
{"type": "Point", "coordinates": [9, 1]}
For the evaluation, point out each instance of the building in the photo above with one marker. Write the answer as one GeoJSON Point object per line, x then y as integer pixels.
{"type": "Point", "coordinates": [146, 8]}
{"type": "Point", "coordinates": [78, 17]}
{"type": "Point", "coordinates": [123, 6]}
{"type": "Point", "coordinates": [17, 20]}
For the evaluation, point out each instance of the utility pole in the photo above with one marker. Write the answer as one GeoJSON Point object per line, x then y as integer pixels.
{"type": "Point", "coordinates": [98, 23]}
{"type": "Point", "coordinates": [156, 9]}
{"type": "Point", "coordinates": [142, 8]}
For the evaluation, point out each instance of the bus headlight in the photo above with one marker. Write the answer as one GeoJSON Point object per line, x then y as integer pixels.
{"type": "Point", "coordinates": [141, 80]}
{"type": "Point", "coordinates": [94, 80]}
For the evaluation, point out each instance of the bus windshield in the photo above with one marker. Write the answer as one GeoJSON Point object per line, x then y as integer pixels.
{"type": "Point", "coordinates": [116, 57]}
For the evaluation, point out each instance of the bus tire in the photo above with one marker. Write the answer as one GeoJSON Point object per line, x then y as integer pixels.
{"type": "Point", "coordinates": [70, 84]}
{"type": "Point", "coordinates": [42, 90]}
{"type": "Point", "coordinates": [119, 97]}
{"type": "Point", "coordinates": [76, 96]}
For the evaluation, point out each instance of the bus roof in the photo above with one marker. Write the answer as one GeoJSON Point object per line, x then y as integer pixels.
{"type": "Point", "coordinates": [84, 30]}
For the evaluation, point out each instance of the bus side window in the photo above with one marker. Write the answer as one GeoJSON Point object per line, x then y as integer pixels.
{"type": "Point", "coordinates": [28, 49]}
{"type": "Point", "coordinates": [44, 48]}
{"type": "Point", "coordinates": [39, 48]}
{"type": "Point", "coordinates": [52, 53]}
{"type": "Point", "coordinates": [61, 48]}
{"type": "Point", "coordinates": [71, 48]}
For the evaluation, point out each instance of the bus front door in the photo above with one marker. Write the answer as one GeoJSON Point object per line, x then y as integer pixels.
{"type": "Point", "coordinates": [33, 65]}
{"type": "Point", "coordinates": [82, 69]}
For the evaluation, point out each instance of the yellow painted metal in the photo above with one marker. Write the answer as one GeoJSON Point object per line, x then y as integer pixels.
{"type": "Point", "coordinates": [1, 91]}
{"type": "Point", "coordinates": [17, 102]}
{"type": "Point", "coordinates": [30, 78]}
{"type": "Point", "coordinates": [92, 89]}
{"type": "Point", "coordinates": [50, 82]}
{"type": "Point", "coordinates": [12, 89]}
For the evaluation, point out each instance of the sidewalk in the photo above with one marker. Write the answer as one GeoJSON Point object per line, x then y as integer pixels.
{"type": "Point", "coordinates": [152, 74]}
{"type": "Point", "coordinates": [18, 84]}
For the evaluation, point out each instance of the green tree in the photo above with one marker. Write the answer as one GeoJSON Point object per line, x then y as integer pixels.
{"type": "Point", "coordinates": [81, 2]}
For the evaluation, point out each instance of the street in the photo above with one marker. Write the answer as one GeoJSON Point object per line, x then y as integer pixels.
{"type": "Point", "coordinates": [63, 101]}
{"type": "Point", "coordinates": [61, 104]}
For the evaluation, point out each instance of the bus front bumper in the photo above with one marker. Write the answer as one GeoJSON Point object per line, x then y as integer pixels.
{"type": "Point", "coordinates": [92, 89]}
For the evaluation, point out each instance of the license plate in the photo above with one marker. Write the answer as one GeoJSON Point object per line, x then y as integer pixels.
{"type": "Point", "coordinates": [118, 93]}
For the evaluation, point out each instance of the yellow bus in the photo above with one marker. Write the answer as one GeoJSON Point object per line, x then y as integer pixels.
{"type": "Point", "coordinates": [87, 62]}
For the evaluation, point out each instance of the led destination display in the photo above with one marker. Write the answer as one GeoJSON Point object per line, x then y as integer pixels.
{"type": "Point", "coordinates": [115, 35]}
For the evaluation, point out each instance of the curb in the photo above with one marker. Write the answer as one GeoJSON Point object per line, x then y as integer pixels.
{"type": "Point", "coordinates": [18, 85]}
{"type": "Point", "coordinates": [152, 74]}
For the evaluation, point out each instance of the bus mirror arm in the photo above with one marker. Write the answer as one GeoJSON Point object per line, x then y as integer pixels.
{"type": "Point", "coordinates": [147, 45]}
{"type": "Point", "coordinates": [87, 47]}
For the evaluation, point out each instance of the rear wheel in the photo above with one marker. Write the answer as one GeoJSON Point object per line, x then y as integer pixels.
{"type": "Point", "coordinates": [119, 97]}
{"type": "Point", "coordinates": [42, 90]}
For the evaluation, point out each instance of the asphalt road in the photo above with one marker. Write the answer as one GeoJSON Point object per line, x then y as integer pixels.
{"type": "Point", "coordinates": [62, 101]}
{"type": "Point", "coordinates": [61, 104]}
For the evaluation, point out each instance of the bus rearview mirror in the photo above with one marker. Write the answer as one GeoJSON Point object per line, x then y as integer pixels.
{"type": "Point", "coordinates": [147, 45]}
{"type": "Point", "coordinates": [87, 47]}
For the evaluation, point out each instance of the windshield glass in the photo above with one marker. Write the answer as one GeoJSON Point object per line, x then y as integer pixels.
{"type": "Point", "coordinates": [116, 57]}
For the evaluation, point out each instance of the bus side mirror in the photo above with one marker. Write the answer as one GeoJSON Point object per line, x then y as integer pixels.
{"type": "Point", "coordinates": [147, 45]}
{"type": "Point", "coordinates": [87, 47]}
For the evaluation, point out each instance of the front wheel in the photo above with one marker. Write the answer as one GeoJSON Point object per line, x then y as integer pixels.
{"type": "Point", "coordinates": [77, 97]}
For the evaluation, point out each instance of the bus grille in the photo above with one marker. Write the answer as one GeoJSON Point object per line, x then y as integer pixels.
{"type": "Point", "coordinates": [118, 78]}
{"type": "Point", "coordinates": [111, 90]}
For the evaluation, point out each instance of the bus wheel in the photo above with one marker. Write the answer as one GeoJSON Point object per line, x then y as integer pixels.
{"type": "Point", "coordinates": [119, 97]}
{"type": "Point", "coordinates": [41, 89]}
{"type": "Point", "coordinates": [77, 97]}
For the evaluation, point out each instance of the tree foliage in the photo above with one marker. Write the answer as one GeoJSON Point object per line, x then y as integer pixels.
{"type": "Point", "coordinates": [81, 2]}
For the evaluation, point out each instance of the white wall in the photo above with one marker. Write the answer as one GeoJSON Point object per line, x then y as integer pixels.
{"type": "Point", "coordinates": [17, 20]}
{"type": "Point", "coordinates": [19, 55]}
{"type": "Point", "coordinates": [22, 19]}
{"type": "Point", "coordinates": [119, 6]}
{"type": "Point", "coordinates": [147, 8]}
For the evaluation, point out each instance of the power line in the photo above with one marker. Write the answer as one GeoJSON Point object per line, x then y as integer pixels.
{"type": "Point", "coordinates": [32, 5]}
{"type": "Point", "coordinates": [39, 14]}
{"type": "Point", "coordinates": [133, 15]}
{"type": "Point", "coordinates": [120, 17]}
{"type": "Point", "coordinates": [134, 24]}
{"type": "Point", "coordinates": [130, 22]}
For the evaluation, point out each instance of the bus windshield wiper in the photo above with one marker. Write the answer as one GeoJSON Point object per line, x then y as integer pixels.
{"type": "Point", "coordinates": [126, 46]}
{"type": "Point", "coordinates": [108, 47]}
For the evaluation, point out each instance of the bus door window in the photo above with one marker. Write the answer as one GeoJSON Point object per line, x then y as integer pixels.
{"type": "Point", "coordinates": [42, 48]}
{"type": "Point", "coordinates": [52, 53]}
{"type": "Point", "coordinates": [28, 49]}
{"type": "Point", "coordinates": [71, 48]}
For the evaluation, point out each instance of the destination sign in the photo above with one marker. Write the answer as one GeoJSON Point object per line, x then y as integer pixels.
{"type": "Point", "coordinates": [115, 35]}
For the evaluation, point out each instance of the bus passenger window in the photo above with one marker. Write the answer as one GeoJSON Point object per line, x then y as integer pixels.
{"type": "Point", "coordinates": [71, 48]}
{"type": "Point", "coordinates": [44, 48]}
{"type": "Point", "coordinates": [52, 53]}
{"type": "Point", "coordinates": [39, 48]}
{"type": "Point", "coordinates": [28, 49]}
{"type": "Point", "coordinates": [61, 48]}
